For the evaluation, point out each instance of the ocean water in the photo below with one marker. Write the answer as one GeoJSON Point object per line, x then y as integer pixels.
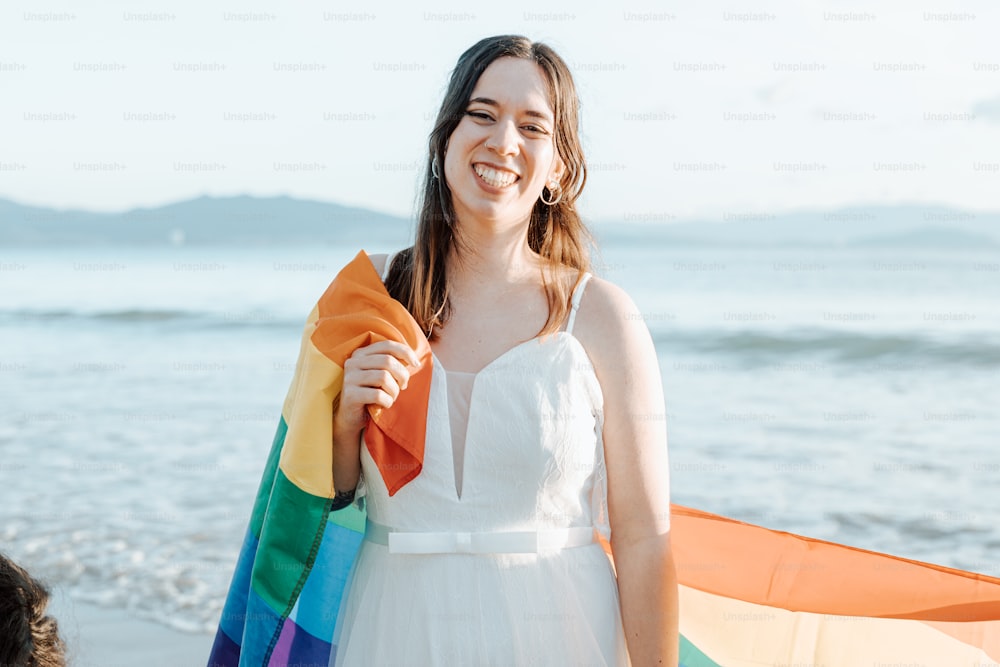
{"type": "Point", "coordinates": [844, 394]}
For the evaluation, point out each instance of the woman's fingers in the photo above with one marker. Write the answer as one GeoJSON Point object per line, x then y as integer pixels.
{"type": "Point", "coordinates": [377, 370]}
{"type": "Point", "coordinates": [400, 351]}
{"type": "Point", "coordinates": [399, 372]}
{"type": "Point", "coordinates": [382, 366]}
{"type": "Point", "coordinates": [373, 375]}
{"type": "Point", "coordinates": [373, 396]}
{"type": "Point", "coordinates": [382, 380]}
{"type": "Point", "coordinates": [394, 357]}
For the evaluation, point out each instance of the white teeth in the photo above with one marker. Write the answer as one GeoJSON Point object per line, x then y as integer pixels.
{"type": "Point", "coordinates": [498, 179]}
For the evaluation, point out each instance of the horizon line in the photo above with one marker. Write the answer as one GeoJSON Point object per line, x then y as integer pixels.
{"type": "Point", "coordinates": [638, 218]}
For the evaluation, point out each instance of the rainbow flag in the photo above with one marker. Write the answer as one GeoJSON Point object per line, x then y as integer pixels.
{"type": "Point", "coordinates": [283, 600]}
{"type": "Point", "coordinates": [753, 596]}
{"type": "Point", "coordinates": [748, 595]}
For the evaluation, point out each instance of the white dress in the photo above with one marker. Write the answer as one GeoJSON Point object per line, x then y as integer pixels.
{"type": "Point", "coordinates": [450, 590]}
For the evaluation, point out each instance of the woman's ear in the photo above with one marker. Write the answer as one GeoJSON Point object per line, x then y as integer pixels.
{"type": "Point", "coordinates": [557, 170]}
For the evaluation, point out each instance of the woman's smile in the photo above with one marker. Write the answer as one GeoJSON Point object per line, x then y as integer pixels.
{"type": "Point", "coordinates": [492, 178]}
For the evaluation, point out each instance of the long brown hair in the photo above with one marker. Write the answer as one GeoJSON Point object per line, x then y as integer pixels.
{"type": "Point", "coordinates": [417, 276]}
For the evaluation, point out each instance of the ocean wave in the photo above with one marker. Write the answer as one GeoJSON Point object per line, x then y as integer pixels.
{"type": "Point", "coordinates": [905, 349]}
{"type": "Point", "coordinates": [127, 316]}
{"type": "Point", "coordinates": [931, 526]}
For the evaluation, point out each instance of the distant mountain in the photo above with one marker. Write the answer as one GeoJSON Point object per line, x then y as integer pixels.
{"type": "Point", "coordinates": [902, 226]}
{"type": "Point", "coordinates": [246, 220]}
{"type": "Point", "coordinates": [216, 220]}
{"type": "Point", "coordinates": [931, 237]}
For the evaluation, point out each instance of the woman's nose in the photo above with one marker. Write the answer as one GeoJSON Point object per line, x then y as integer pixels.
{"type": "Point", "coordinates": [504, 139]}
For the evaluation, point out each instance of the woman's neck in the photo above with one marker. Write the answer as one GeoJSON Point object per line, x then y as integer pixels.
{"type": "Point", "coordinates": [491, 257]}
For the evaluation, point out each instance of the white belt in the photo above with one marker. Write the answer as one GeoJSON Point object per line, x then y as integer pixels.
{"type": "Point", "coordinates": [516, 542]}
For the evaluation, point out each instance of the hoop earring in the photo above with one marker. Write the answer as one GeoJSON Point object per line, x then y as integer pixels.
{"type": "Point", "coordinates": [550, 187]}
{"type": "Point", "coordinates": [434, 168]}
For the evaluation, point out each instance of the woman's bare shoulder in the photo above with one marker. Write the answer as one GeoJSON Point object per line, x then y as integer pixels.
{"type": "Point", "coordinates": [605, 309]}
{"type": "Point", "coordinates": [611, 328]}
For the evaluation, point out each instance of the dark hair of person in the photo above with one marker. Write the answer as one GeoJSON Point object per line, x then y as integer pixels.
{"type": "Point", "coordinates": [28, 636]}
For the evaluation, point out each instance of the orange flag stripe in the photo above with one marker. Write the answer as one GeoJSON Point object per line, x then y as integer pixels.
{"type": "Point", "coordinates": [747, 562]}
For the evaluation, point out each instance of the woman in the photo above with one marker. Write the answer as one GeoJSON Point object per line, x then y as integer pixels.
{"type": "Point", "coordinates": [546, 408]}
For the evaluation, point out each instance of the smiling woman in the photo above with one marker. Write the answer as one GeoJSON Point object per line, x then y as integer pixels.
{"type": "Point", "coordinates": [497, 281]}
{"type": "Point", "coordinates": [488, 404]}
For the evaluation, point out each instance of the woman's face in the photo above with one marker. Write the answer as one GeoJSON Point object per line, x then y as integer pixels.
{"type": "Point", "coordinates": [502, 153]}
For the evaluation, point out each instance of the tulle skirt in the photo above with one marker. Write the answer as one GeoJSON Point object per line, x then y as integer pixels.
{"type": "Point", "coordinates": [552, 608]}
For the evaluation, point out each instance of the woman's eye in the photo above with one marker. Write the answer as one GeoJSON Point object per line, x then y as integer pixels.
{"type": "Point", "coordinates": [481, 115]}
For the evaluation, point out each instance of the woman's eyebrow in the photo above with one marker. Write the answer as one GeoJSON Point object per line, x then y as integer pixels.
{"type": "Point", "coordinates": [493, 103]}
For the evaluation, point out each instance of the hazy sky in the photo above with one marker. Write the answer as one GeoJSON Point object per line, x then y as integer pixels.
{"type": "Point", "coordinates": [689, 108]}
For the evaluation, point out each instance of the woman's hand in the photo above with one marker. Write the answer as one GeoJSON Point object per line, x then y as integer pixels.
{"type": "Point", "coordinates": [373, 375]}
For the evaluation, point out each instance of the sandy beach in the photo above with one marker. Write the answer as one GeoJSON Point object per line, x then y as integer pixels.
{"type": "Point", "coordinates": [100, 637]}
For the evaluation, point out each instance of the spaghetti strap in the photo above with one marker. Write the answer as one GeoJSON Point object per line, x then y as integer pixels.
{"type": "Point", "coordinates": [388, 264]}
{"type": "Point", "coordinates": [575, 303]}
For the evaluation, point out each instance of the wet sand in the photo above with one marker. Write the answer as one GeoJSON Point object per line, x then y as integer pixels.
{"type": "Point", "coordinates": [100, 637]}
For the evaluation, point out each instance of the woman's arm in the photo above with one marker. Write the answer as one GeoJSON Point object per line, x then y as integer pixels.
{"type": "Point", "coordinates": [615, 335]}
